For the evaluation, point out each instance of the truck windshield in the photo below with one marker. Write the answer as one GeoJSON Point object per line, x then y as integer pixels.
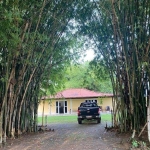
{"type": "Point", "coordinates": [88, 105]}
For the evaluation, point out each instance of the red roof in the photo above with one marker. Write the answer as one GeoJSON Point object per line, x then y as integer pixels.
{"type": "Point", "coordinates": [78, 93]}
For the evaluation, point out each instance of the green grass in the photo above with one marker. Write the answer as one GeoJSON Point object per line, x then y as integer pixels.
{"type": "Point", "coordinates": [69, 118]}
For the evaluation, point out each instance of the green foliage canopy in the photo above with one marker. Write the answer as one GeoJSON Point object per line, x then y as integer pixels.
{"type": "Point", "coordinates": [87, 76]}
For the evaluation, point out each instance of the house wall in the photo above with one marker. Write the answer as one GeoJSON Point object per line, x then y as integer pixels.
{"type": "Point", "coordinates": [44, 103]}
{"type": "Point", "coordinates": [104, 102]}
{"type": "Point", "coordinates": [53, 107]}
{"type": "Point", "coordinates": [72, 105]}
{"type": "Point", "coordinates": [76, 103]}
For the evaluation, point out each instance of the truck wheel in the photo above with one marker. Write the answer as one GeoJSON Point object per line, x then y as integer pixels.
{"type": "Point", "coordinates": [79, 121]}
{"type": "Point", "coordinates": [99, 120]}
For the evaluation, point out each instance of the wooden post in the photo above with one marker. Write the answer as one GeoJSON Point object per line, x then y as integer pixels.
{"type": "Point", "coordinates": [112, 112]}
{"type": "Point", "coordinates": [46, 120]}
{"type": "Point", "coordinates": [43, 112]}
{"type": "Point", "coordinates": [112, 118]}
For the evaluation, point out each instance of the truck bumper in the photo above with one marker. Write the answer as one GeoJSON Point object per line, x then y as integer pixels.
{"type": "Point", "coordinates": [89, 117]}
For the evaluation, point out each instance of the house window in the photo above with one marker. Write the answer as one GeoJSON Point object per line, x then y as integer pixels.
{"type": "Point", "coordinates": [57, 107]}
{"type": "Point", "coordinates": [65, 107]}
{"type": "Point", "coordinates": [61, 107]}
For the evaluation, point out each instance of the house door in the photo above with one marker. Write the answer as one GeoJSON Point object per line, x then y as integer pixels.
{"type": "Point", "coordinates": [61, 107]}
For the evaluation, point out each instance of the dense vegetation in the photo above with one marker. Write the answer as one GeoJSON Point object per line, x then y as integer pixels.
{"type": "Point", "coordinates": [121, 32]}
{"type": "Point", "coordinates": [85, 76]}
{"type": "Point", "coordinates": [34, 50]}
{"type": "Point", "coordinates": [36, 45]}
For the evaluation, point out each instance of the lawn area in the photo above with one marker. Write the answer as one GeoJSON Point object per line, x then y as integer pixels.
{"type": "Point", "coordinates": [69, 118]}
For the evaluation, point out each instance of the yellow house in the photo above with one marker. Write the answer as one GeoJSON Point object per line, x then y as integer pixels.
{"type": "Point", "coordinates": [68, 101]}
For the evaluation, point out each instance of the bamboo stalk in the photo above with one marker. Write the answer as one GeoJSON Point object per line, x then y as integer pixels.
{"type": "Point", "coordinates": [142, 129]}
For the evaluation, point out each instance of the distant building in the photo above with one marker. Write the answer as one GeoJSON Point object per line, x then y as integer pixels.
{"type": "Point", "coordinates": [68, 101]}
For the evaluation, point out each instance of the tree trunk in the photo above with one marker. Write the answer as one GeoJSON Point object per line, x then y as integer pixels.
{"type": "Point", "coordinates": [148, 118]}
{"type": "Point", "coordinates": [1, 130]}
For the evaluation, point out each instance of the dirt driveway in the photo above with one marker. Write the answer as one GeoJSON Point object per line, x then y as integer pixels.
{"type": "Point", "coordinates": [71, 136]}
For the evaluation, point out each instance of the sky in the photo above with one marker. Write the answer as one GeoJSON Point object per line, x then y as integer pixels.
{"type": "Point", "coordinates": [89, 55]}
